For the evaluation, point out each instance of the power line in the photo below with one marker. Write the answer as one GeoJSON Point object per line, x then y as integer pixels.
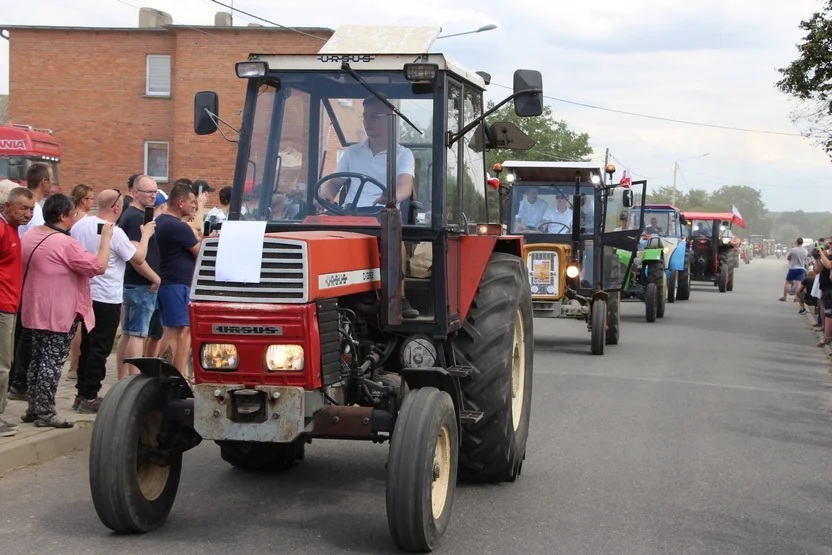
{"type": "Point", "coordinates": [757, 184]}
{"type": "Point", "coordinates": [238, 10]}
{"type": "Point", "coordinates": [660, 118]}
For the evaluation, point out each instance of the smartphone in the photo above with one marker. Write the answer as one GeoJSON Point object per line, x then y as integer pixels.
{"type": "Point", "coordinates": [200, 192]}
{"type": "Point", "coordinates": [148, 214]}
{"type": "Point", "coordinates": [100, 227]}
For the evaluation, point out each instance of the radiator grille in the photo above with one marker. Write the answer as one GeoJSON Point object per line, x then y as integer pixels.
{"type": "Point", "coordinates": [544, 271]}
{"type": "Point", "coordinates": [283, 275]}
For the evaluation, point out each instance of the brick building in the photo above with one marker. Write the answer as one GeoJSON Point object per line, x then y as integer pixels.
{"type": "Point", "coordinates": [120, 100]}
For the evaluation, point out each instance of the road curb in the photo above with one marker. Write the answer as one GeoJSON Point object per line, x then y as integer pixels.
{"type": "Point", "coordinates": [51, 443]}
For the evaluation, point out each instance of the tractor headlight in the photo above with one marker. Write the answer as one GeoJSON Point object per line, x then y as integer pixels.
{"type": "Point", "coordinates": [573, 270]}
{"type": "Point", "coordinates": [726, 240]}
{"type": "Point", "coordinates": [219, 356]}
{"type": "Point", "coordinates": [283, 358]}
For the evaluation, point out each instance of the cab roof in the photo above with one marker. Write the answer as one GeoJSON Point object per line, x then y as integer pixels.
{"type": "Point", "coordinates": [374, 48]}
{"type": "Point", "coordinates": [722, 216]}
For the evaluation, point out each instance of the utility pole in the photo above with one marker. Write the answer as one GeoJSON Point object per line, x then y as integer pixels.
{"type": "Point", "coordinates": [675, 170]}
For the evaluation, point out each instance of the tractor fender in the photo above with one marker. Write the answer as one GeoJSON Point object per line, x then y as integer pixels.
{"type": "Point", "coordinates": [677, 259]}
{"type": "Point", "coordinates": [600, 296]}
{"type": "Point", "coordinates": [156, 367]}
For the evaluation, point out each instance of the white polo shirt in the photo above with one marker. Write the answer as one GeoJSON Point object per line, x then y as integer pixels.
{"type": "Point", "coordinates": [107, 288]}
{"type": "Point", "coordinates": [358, 158]}
{"type": "Point", "coordinates": [552, 215]}
{"type": "Point", "coordinates": [531, 214]}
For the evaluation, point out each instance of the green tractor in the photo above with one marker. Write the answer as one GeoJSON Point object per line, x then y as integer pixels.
{"type": "Point", "coordinates": [647, 280]}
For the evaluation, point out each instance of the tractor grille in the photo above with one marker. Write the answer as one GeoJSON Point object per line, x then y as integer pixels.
{"type": "Point", "coordinates": [543, 272]}
{"type": "Point", "coordinates": [283, 275]}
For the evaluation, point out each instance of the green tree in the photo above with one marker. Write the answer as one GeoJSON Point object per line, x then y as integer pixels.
{"type": "Point", "coordinates": [555, 141]}
{"type": "Point", "coordinates": [809, 77]}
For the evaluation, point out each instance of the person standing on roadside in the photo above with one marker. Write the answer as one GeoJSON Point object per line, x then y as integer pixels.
{"type": "Point", "coordinates": [797, 267]}
{"type": "Point", "coordinates": [825, 284]}
{"type": "Point", "coordinates": [107, 293]}
{"type": "Point", "coordinates": [141, 281]}
{"type": "Point", "coordinates": [179, 248]}
{"type": "Point", "coordinates": [39, 183]}
{"type": "Point", "coordinates": [220, 213]}
{"type": "Point", "coordinates": [16, 211]}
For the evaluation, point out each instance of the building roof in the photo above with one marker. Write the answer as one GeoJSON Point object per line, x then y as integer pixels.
{"type": "Point", "coordinates": [167, 27]}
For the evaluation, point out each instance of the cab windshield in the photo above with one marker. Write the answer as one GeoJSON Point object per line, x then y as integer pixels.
{"type": "Point", "coordinates": [308, 125]}
{"type": "Point", "coordinates": [548, 208]}
{"type": "Point", "coordinates": [706, 228]}
{"type": "Point", "coordinates": [658, 223]}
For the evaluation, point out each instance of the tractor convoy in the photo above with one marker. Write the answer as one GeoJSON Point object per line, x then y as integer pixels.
{"type": "Point", "coordinates": [342, 301]}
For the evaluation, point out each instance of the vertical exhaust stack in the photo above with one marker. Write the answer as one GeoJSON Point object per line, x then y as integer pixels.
{"type": "Point", "coordinates": [390, 254]}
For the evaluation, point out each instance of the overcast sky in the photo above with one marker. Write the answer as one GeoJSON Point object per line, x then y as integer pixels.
{"type": "Point", "coordinates": [710, 61]}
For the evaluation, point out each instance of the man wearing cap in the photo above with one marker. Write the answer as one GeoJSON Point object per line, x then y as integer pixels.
{"type": "Point", "coordinates": [560, 216]}
{"type": "Point", "coordinates": [128, 198]}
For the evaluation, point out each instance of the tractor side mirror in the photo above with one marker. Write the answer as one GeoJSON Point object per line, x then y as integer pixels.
{"type": "Point", "coordinates": [683, 220]}
{"type": "Point", "coordinates": [628, 198]}
{"type": "Point", "coordinates": [206, 108]}
{"type": "Point", "coordinates": [528, 91]}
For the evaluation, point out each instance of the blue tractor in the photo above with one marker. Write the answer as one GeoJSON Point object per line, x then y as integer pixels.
{"type": "Point", "coordinates": [668, 224]}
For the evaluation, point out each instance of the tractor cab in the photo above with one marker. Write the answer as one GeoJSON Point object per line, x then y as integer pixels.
{"type": "Point", "coordinates": [570, 220]}
{"type": "Point", "coordinates": [714, 254]}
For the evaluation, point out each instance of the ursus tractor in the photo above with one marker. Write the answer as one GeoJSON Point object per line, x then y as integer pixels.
{"type": "Point", "coordinates": [350, 294]}
{"type": "Point", "coordinates": [713, 247]}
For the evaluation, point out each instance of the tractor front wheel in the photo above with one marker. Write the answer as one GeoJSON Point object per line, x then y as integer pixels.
{"type": "Point", "coordinates": [614, 318]}
{"type": "Point", "coordinates": [130, 492]}
{"type": "Point", "coordinates": [671, 286]}
{"type": "Point", "coordinates": [599, 323]}
{"type": "Point", "coordinates": [722, 281]}
{"type": "Point", "coordinates": [421, 470]}
{"type": "Point", "coordinates": [730, 285]}
{"type": "Point", "coordinates": [651, 299]}
{"type": "Point", "coordinates": [497, 341]}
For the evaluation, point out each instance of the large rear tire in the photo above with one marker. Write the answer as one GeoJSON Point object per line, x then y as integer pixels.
{"type": "Point", "coordinates": [683, 292]}
{"type": "Point", "coordinates": [497, 341]}
{"type": "Point", "coordinates": [131, 494]}
{"type": "Point", "coordinates": [651, 298]}
{"type": "Point", "coordinates": [614, 318]}
{"type": "Point", "coordinates": [421, 470]}
{"type": "Point", "coordinates": [722, 281]}
{"type": "Point", "coordinates": [598, 323]}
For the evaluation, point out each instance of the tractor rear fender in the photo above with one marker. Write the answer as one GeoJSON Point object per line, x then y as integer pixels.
{"type": "Point", "coordinates": [677, 259]}
{"type": "Point", "coordinates": [441, 379]}
{"type": "Point", "coordinates": [155, 367]}
{"type": "Point", "coordinates": [474, 254]}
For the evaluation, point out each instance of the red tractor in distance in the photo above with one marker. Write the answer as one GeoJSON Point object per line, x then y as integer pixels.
{"type": "Point", "coordinates": [298, 331]}
{"type": "Point", "coordinates": [23, 145]}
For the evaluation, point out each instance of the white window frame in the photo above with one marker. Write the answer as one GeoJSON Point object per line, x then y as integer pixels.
{"type": "Point", "coordinates": [147, 91]}
{"type": "Point", "coordinates": [158, 178]}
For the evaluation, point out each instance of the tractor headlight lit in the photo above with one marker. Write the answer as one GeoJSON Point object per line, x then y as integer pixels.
{"type": "Point", "coordinates": [726, 240]}
{"type": "Point", "coordinates": [284, 358]}
{"type": "Point", "coordinates": [666, 250]}
{"type": "Point", "coordinates": [219, 356]}
{"type": "Point", "coordinates": [573, 271]}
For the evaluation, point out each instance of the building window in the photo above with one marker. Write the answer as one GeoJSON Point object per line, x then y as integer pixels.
{"type": "Point", "coordinates": [157, 82]}
{"type": "Point", "coordinates": [156, 160]}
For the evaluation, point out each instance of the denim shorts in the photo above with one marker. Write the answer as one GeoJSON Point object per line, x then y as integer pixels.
{"type": "Point", "coordinates": [796, 274]}
{"type": "Point", "coordinates": [173, 302]}
{"type": "Point", "coordinates": [139, 303]}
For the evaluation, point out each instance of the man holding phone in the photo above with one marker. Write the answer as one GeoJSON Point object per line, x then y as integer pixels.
{"type": "Point", "coordinates": [107, 292]}
{"type": "Point", "coordinates": [141, 281]}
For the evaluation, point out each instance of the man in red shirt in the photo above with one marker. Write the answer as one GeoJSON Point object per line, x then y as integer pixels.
{"type": "Point", "coordinates": [16, 211]}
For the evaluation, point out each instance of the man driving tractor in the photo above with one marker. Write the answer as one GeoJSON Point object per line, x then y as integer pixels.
{"type": "Point", "coordinates": [531, 211]}
{"type": "Point", "coordinates": [369, 157]}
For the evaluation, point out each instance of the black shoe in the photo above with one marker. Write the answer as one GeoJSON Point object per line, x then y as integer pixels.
{"type": "Point", "coordinates": [16, 394]}
{"type": "Point", "coordinates": [408, 312]}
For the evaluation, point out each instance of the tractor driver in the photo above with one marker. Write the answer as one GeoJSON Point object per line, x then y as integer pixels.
{"type": "Point", "coordinates": [653, 228]}
{"type": "Point", "coordinates": [369, 157]}
{"type": "Point", "coordinates": [561, 214]}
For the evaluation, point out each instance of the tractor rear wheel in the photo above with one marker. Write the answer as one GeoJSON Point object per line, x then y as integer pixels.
{"type": "Point", "coordinates": [421, 469]}
{"type": "Point", "coordinates": [657, 275]}
{"type": "Point", "coordinates": [613, 318]}
{"type": "Point", "coordinates": [671, 286]}
{"type": "Point", "coordinates": [651, 298]}
{"type": "Point", "coordinates": [255, 455]}
{"type": "Point", "coordinates": [129, 492]}
{"type": "Point", "coordinates": [497, 341]}
{"type": "Point", "coordinates": [598, 323]}
{"type": "Point", "coordinates": [730, 284]}
{"type": "Point", "coordinates": [722, 281]}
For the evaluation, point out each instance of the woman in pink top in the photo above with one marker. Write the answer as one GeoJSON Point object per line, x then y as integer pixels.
{"type": "Point", "coordinates": [56, 296]}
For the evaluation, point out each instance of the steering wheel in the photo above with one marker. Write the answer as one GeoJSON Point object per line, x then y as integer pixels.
{"type": "Point", "coordinates": [350, 209]}
{"type": "Point", "coordinates": [547, 224]}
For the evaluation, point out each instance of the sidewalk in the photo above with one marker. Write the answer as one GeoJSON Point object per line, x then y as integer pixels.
{"type": "Point", "coordinates": [34, 445]}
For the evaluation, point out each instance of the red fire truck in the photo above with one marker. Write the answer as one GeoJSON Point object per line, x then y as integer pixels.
{"type": "Point", "coordinates": [21, 146]}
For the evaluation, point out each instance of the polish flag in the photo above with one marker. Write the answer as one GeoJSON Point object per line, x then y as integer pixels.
{"type": "Point", "coordinates": [736, 213]}
{"type": "Point", "coordinates": [625, 179]}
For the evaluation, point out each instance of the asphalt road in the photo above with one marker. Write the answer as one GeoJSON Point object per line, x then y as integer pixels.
{"type": "Point", "coordinates": [708, 432]}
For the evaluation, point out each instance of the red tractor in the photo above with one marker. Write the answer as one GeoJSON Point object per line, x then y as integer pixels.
{"type": "Point", "coordinates": [299, 327]}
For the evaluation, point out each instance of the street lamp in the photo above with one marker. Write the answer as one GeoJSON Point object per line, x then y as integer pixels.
{"type": "Point", "coordinates": [676, 170]}
{"type": "Point", "coordinates": [490, 27]}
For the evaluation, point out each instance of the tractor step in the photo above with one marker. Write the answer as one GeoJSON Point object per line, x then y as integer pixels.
{"type": "Point", "coordinates": [470, 416]}
{"type": "Point", "coordinates": [460, 372]}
